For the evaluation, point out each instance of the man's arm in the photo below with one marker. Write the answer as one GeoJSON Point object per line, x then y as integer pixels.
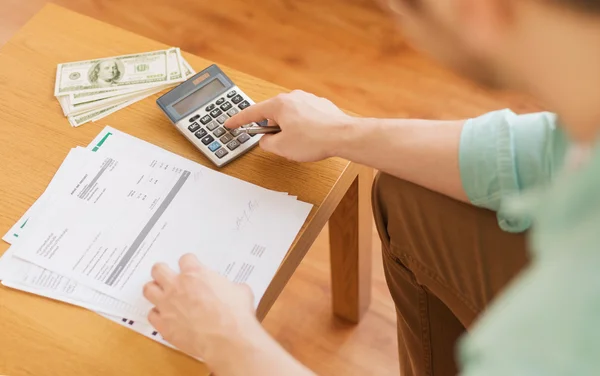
{"type": "Point", "coordinates": [421, 151]}
{"type": "Point", "coordinates": [313, 128]}
{"type": "Point", "coordinates": [481, 161]}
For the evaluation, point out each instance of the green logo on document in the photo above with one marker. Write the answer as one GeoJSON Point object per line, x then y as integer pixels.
{"type": "Point", "coordinates": [142, 67]}
{"type": "Point", "coordinates": [75, 75]}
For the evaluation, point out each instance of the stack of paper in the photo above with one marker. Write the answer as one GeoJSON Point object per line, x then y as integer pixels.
{"type": "Point", "coordinates": [92, 89]}
{"type": "Point", "coordinates": [119, 206]}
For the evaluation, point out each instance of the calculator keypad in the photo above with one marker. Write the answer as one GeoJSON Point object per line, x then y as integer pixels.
{"type": "Point", "coordinates": [235, 132]}
{"type": "Point", "coordinates": [201, 133]}
{"type": "Point", "coordinates": [207, 127]}
{"type": "Point", "coordinates": [208, 139]}
{"type": "Point", "coordinates": [205, 119]}
{"type": "Point", "coordinates": [214, 146]}
{"type": "Point", "coordinates": [226, 106]}
{"type": "Point", "coordinates": [237, 99]}
{"type": "Point", "coordinates": [194, 127]}
{"type": "Point", "coordinates": [225, 139]}
{"type": "Point", "coordinates": [219, 132]}
{"type": "Point", "coordinates": [233, 145]}
{"type": "Point", "coordinates": [243, 138]}
{"type": "Point", "coordinates": [221, 153]}
{"type": "Point", "coordinates": [212, 126]}
{"type": "Point", "coordinates": [221, 119]}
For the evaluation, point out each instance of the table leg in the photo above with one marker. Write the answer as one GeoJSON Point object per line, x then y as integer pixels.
{"type": "Point", "coordinates": [350, 230]}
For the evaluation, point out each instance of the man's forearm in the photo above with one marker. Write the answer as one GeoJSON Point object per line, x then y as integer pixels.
{"type": "Point", "coordinates": [421, 151]}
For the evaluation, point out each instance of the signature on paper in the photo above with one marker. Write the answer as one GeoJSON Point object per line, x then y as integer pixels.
{"type": "Point", "coordinates": [244, 219]}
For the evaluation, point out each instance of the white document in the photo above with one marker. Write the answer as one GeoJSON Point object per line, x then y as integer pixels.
{"type": "Point", "coordinates": [25, 276]}
{"type": "Point", "coordinates": [72, 162]}
{"type": "Point", "coordinates": [142, 327]}
{"type": "Point", "coordinates": [123, 213]}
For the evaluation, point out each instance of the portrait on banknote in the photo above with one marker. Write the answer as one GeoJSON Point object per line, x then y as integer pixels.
{"type": "Point", "coordinates": [106, 73]}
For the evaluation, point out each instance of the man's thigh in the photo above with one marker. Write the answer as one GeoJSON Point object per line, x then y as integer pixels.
{"type": "Point", "coordinates": [454, 250]}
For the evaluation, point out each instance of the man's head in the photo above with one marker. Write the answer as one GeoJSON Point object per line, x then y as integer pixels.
{"type": "Point", "coordinates": [548, 48]}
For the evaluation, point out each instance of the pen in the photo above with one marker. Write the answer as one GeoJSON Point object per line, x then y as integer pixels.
{"type": "Point", "coordinates": [260, 129]}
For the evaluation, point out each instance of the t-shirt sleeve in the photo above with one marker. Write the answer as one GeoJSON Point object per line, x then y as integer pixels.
{"type": "Point", "coordinates": [502, 154]}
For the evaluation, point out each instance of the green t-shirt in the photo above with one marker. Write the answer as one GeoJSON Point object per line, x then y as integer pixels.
{"type": "Point", "coordinates": [547, 321]}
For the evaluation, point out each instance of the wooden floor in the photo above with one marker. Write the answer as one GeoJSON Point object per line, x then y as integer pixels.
{"type": "Point", "coordinates": [346, 50]}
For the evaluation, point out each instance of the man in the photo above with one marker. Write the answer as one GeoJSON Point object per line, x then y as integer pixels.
{"type": "Point", "coordinates": [445, 259]}
{"type": "Point", "coordinates": [105, 73]}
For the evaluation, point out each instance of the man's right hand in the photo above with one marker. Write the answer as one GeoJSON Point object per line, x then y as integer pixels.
{"type": "Point", "coordinates": [310, 126]}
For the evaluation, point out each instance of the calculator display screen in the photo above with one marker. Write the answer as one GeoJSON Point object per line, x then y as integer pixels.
{"type": "Point", "coordinates": [199, 97]}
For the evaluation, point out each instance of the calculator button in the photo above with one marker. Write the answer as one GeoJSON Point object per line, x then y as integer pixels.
{"type": "Point", "coordinates": [233, 145]}
{"type": "Point", "coordinates": [233, 111]}
{"type": "Point", "coordinates": [243, 138]}
{"type": "Point", "coordinates": [235, 132]}
{"type": "Point", "coordinates": [220, 101]}
{"type": "Point", "coordinates": [226, 106]}
{"type": "Point", "coordinates": [210, 108]}
{"type": "Point", "coordinates": [243, 105]}
{"type": "Point", "coordinates": [237, 99]}
{"type": "Point", "coordinates": [231, 94]}
{"type": "Point", "coordinates": [225, 139]}
{"type": "Point", "coordinates": [219, 132]}
{"type": "Point", "coordinates": [212, 125]}
{"type": "Point", "coordinates": [205, 120]}
{"type": "Point", "coordinates": [214, 146]}
{"type": "Point", "coordinates": [216, 113]}
{"type": "Point", "coordinates": [263, 123]}
{"type": "Point", "coordinates": [194, 118]}
{"type": "Point", "coordinates": [194, 127]}
{"type": "Point", "coordinates": [221, 153]}
{"type": "Point", "coordinates": [201, 133]}
{"type": "Point", "coordinates": [221, 119]}
{"type": "Point", "coordinates": [208, 139]}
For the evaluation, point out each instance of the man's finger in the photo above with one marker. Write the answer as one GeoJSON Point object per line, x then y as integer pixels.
{"type": "Point", "coordinates": [163, 275]}
{"type": "Point", "coordinates": [266, 142]}
{"type": "Point", "coordinates": [189, 263]}
{"type": "Point", "coordinates": [153, 293]}
{"type": "Point", "coordinates": [257, 112]}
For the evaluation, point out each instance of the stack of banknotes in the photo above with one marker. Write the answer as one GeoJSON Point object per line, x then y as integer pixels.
{"type": "Point", "coordinates": [92, 89]}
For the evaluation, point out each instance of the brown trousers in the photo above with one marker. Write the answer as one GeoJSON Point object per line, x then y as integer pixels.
{"type": "Point", "coordinates": [444, 262]}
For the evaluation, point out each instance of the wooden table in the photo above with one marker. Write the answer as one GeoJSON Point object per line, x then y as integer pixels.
{"type": "Point", "coordinates": [43, 337]}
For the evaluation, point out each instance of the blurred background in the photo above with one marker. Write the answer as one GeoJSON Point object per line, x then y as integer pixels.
{"type": "Point", "coordinates": [349, 51]}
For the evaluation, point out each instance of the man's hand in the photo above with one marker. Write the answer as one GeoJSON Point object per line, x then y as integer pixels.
{"type": "Point", "coordinates": [309, 125]}
{"type": "Point", "coordinates": [199, 311]}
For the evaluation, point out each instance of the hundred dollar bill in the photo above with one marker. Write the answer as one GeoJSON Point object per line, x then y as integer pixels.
{"type": "Point", "coordinates": [189, 71]}
{"type": "Point", "coordinates": [175, 64]}
{"type": "Point", "coordinates": [78, 108]}
{"type": "Point", "coordinates": [174, 72]}
{"type": "Point", "coordinates": [128, 103]}
{"type": "Point", "coordinates": [96, 114]}
{"type": "Point", "coordinates": [120, 72]}
{"type": "Point", "coordinates": [77, 120]}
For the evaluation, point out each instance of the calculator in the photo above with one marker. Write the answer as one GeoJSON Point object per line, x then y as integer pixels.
{"type": "Point", "coordinates": [198, 108]}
